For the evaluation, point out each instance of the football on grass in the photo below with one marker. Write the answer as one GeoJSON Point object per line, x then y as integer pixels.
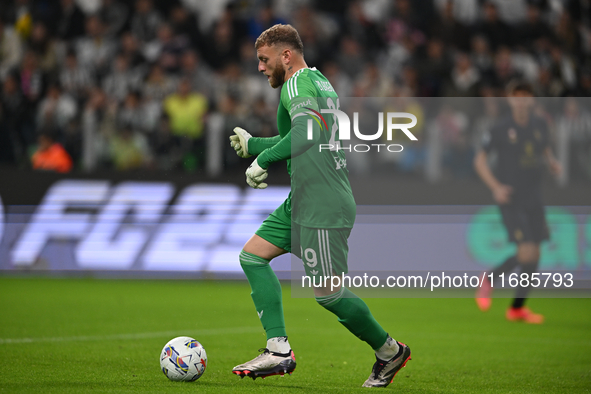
{"type": "Point", "coordinates": [183, 359]}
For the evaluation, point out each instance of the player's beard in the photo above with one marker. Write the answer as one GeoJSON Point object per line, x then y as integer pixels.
{"type": "Point", "coordinates": [278, 76]}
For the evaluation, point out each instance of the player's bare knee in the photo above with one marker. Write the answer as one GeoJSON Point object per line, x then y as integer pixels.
{"type": "Point", "coordinates": [326, 290]}
{"type": "Point", "coordinates": [262, 248]}
{"type": "Point", "coordinates": [528, 253]}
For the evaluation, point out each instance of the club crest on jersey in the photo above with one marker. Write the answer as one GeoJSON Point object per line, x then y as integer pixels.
{"type": "Point", "coordinates": [537, 134]}
{"type": "Point", "coordinates": [512, 135]}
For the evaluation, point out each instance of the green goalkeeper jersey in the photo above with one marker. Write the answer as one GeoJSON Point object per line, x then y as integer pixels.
{"type": "Point", "coordinates": [321, 195]}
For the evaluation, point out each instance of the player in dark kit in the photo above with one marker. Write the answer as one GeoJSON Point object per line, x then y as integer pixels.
{"type": "Point", "coordinates": [521, 142]}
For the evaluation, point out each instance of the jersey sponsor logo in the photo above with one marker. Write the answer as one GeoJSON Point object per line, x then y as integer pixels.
{"type": "Point", "coordinates": [324, 86]}
{"type": "Point", "coordinates": [300, 105]}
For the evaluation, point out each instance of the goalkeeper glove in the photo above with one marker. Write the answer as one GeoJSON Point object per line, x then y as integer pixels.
{"type": "Point", "coordinates": [255, 175]}
{"type": "Point", "coordinates": [240, 142]}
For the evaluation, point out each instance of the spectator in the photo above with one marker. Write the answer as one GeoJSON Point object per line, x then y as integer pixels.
{"type": "Point", "coordinates": [546, 85]}
{"type": "Point", "coordinates": [56, 110]}
{"type": "Point", "coordinates": [69, 24]}
{"type": "Point", "coordinates": [32, 78]}
{"type": "Point", "coordinates": [129, 149]}
{"type": "Point", "coordinates": [534, 28]}
{"type": "Point", "coordinates": [351, 57]}
{"type": "Point", "coordinates": [497, 32]}
{"type": "Point", "coordinates": [452, 127]}
{"type": "Point", "coordinates": [186, 111]}
{"type": "Point", "coordinates": [373, 83]}
{"type": "Point", "coordinates": [13, 112]}
{"type": "Point", "coordinates": [262, 19]}
{"type": "Point", "coordinates": [75, 79]}
{"type": "Point", "coordinates": [167, 49]}
{"type": "Point", "coordinates": [184, 23]}
{"type": "Point", "coordinates": [98, 125]}
{"type": "Point", "coordinates": [574, 141]}
{"type": "Point", "coordinates": [145, 21]}
{"type": "Point", "coordinates": [199, 74]}
{"type": "Point", "coordinates": [568, 35]}
{"type": "Point", "coordinates": [11, 49]}
{"type": "Point", "coordinates": [481, 55]}
{"type": "Point", "coordinates": [22, 16]}
{"type": "Point", "coordinates": [511, 11]}
{"type": "Point", "coordinates": [248, 59]}
{"type": "Point", "coordinates": [464, 11]}
{"type": "Point", "coordinates": [222, 46]}
{"type": "Point", "coordinates": [434, 68]}
{"type": "Point", "coordinates": [158, 85]}
{"type": "Point", "coordinates": [405, 22]}
{"type": "Point", "coordinates": [132, 114]}
{"type": "Point", "coordinates": [464, 78]}
{"type": "Point", "coordinates": [563, 68]}
{"type": "Point", "coordinates": [44, 46]}
{"type": "Point", "coordinates": [362, 29]}
{"type": "Point", "coordinates": [95, 50]}
{"type": "Point", "coordinates": [130, 48]}
{"type": "Point", "coordinates": [504, 70]}
{"type": "Point", "coordinates": [338, 79]}
{"type": "Point", "coordinates": [115, 15]}
{"type": "Point", "coordinates": [454, 34]}
{"type": "Point", "coordinates": [165, 155]}
{"type": "Point", "coordinates": [51, 155]}
{"type": "Point", "coordinates": [122, 79]}
{"type": "Point", "coordinates": [32, 81]}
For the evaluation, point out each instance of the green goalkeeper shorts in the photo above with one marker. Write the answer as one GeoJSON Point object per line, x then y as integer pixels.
{"type": "Point", "coordinates": [324, 252]}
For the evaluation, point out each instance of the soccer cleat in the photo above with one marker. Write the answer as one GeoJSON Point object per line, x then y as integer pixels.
{"type": "Point", "coordinates": [483, 295]}
{"type": "Point", "coordinates": [267, 364]}
{"type": "Point", "coordinates": [524, 314]}
{"type": "Point", "coordinates": [383, 372]}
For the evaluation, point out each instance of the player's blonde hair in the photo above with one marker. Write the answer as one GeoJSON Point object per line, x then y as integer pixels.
{"type": "Point", "coordinates": [281, 34]}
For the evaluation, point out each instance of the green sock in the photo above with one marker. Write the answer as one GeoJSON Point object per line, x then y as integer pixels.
{"type": "Point", "coordinates": [354, 314]}
{"type": "Point", "coordinates": [266, 293]}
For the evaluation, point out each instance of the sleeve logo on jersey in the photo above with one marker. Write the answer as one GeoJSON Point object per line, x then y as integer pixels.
{"type": "Point", "coordinates": [324, 86]}
{"type": "Point", "coordinates": [300, 105]}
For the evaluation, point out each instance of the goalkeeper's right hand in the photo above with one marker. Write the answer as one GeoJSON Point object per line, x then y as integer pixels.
{"type": "Point", "coordinates": [240, 142]}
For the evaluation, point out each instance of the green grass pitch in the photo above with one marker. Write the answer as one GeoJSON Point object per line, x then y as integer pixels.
{"type": "Point", "coordinates": [98, 335]}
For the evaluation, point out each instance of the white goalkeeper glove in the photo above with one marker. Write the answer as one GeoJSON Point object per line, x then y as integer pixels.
{"type": "Point", "coordinates": [255, 175]}
{"type": "Point", "coordinates": [240, 142]}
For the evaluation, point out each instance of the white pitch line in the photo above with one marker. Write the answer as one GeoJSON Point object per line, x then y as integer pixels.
{"type": "Point", "coordinates": [141, 335]}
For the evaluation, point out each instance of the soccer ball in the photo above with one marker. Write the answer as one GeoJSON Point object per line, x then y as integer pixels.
{"type": "Point", "coordinates": [183, 359]}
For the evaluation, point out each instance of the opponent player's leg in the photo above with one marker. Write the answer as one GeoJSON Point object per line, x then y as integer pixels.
{"type": "Point", "coordinates": [512, 221]}
{"type": "Point", "coordinates": [528, 257]}
{"type": "Point", "coordinates": [484, 293]}
{"type": "Point", "coordinates": [325, 253]}
{"type": "Point", "coordinates": [272, 239]}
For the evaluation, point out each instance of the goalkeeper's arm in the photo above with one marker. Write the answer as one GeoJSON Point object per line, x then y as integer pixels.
{"type": "Point", "coordinates": [256, 145]}
{"type": "Point", "coordinates": [293, 144]}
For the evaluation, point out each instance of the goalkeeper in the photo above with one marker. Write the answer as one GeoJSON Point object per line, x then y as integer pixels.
{"type": "Point", "coordinates": [315, 221]}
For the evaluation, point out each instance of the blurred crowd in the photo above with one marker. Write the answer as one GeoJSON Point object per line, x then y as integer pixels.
{"type": "Point", "coordinates": [142, 84]}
